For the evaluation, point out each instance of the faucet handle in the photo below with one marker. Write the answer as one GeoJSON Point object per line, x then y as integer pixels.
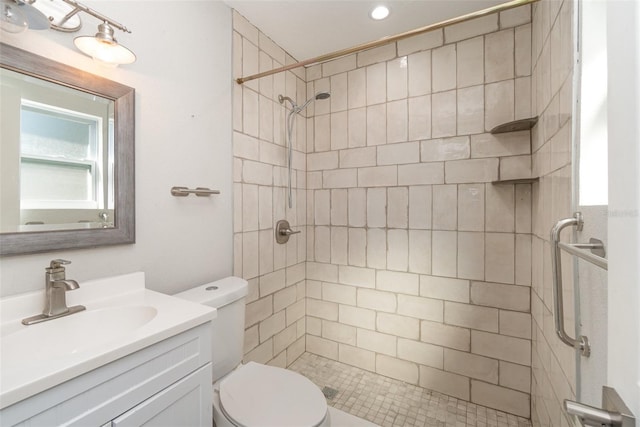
{"type": "Point", "coordinates": [58, 263]}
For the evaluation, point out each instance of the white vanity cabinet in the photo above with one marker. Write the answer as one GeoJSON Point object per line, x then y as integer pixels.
{"type": "Point", "coordinates": [164, 384]}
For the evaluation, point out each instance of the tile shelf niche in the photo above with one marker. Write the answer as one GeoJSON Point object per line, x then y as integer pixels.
{"type": "Point", "coordinates": [515, 126]}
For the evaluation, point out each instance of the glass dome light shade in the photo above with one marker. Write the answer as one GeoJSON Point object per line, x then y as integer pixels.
{"type": "Point", "coordinates": [104, 47]}
{"type": "Point", "coordinates": [11, 20]}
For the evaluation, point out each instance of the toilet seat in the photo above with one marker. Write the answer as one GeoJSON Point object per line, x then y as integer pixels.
{"type": "Point", "coordinates": [260, 395]}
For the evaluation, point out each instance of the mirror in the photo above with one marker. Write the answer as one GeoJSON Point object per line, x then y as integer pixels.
{"type": "Point", "coordinates": [66, 157]}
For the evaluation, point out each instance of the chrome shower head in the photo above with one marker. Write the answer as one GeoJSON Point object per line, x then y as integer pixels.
{"type": "Point", "coordinates": [323, 95]}
{"type": "Point", "coordinates": [319, 96]}
{"type": "Point", "coordinates": [286, 98]}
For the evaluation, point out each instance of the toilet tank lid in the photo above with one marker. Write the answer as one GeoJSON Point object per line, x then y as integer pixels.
{"type": "Point", "coordinates": [217, 294]}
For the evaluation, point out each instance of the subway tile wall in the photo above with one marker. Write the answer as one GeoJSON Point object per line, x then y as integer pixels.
{"type": "Point", "coordinates": [275, 312]}
{"type": "Point", "coordinates": [553, 363]}
{"type": "Point", "coordinates": [418, 267]}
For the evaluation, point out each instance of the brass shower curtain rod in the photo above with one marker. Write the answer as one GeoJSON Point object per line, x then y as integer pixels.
{"type": "Point", "coordinates": [385, 40]}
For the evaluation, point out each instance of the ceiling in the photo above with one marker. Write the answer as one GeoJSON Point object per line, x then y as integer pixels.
{"type": "Point", "coordinates": [309, 28]}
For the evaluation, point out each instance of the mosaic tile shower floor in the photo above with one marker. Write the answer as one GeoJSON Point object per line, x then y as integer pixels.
{"type": "Point", "coordinates": [388, 402]}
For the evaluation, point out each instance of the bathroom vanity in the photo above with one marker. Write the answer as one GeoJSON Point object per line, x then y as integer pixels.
{"type": "Point", "coordinates": [134, 357]}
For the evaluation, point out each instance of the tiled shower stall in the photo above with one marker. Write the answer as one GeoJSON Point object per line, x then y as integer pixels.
{"type": "Point", "coordinates": [414, 265]}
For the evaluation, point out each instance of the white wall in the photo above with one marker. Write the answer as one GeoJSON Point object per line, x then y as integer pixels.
{"type": "Point", "coordinates": [183, 137]}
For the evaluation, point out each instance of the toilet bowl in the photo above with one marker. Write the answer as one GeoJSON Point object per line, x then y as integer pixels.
{"type": "Point", "coordinates": [260, 395]}
{"type": "Point", "coordinates": [252, 395]}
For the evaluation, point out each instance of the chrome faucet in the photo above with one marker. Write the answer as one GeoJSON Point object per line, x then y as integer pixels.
{"type": "Point", "coordinates": [56, 286]}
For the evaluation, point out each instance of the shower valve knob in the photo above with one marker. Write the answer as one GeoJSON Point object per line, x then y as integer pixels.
{"type": "Point", "coordinates": [283, 231]}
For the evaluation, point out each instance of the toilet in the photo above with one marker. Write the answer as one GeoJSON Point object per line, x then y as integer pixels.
{"type": "Point", "coordinates": [252, 394]}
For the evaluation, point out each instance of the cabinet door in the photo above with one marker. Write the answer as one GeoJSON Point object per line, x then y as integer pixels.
{"type": "Point", "coordinates": [184, 403]}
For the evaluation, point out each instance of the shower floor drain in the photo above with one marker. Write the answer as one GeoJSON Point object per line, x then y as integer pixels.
{"type": "Point", "coordinates": [329, 392]}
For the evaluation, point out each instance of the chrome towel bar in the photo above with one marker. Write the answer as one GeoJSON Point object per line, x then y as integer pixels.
{"type": "Point", "coordinates": [577, 249]}
{"type": "Point", "coordinates": [200, 191]}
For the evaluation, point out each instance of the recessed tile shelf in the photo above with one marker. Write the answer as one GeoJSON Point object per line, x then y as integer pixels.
{"type": "Point", "coordinates": [515, 126]}
{"type": "Point", "coordinates": [516, 181]}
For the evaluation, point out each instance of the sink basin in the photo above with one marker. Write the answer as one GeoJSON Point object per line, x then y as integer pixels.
{"type": "Point", "coordinates": [75, 333]}
{"type": "Point", "coordinates": [122, 317]}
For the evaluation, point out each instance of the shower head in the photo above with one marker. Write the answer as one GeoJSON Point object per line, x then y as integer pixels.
{"type": "Point", "coordinates": [297, 109]}
{"type": "Point", "coordinates": [322, 95]}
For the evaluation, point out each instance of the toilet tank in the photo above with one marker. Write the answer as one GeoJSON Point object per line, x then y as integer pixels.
{"type": "Point", "coordinates": [227, 340]}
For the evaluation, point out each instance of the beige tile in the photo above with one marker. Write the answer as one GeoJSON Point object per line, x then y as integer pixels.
{"type": "Point", "coordinates": [445, 335]}
{"type": "Point", "coordinates": [250, 258]}
{"type": "Point", "coordinates": [471, 171]}
{"type": "Point", "coordinates": [498, 103]}
{"type": "Point", "coordinates": [523, 208]}
{"type": "Point", "coordinates": [377, 124]}
{"type": "Point", "coordinates": [258, 310]}
{"type": "Point", "coordinates": [420, 117]}
{"type": "Point", "coordinates": [313, 289]}
{"type": "Point", "coordinates": [443, 113]}
{"type": "Point", "coordinates": [470, 109]}
{"type": "Point", "coordinates": [501, 347]}
{"type": "Point", "coordinates": [341, 294]}
{"type": "Point", "coordinates": [421, 353]}
{"type": "Point", "coordinates": [498, 56]}
{"type": "Point", "coordinates": [376, 248]}
{"type": "Point", "coordinates": [471, 28]}
{"type": "Point", "coordinates": [357, 127]}
{"type": "Point", "coordinates": [422, 41]}
{"type": "Point", "coordinates": [377, 207]}
{"type": "Point", "coordinates": [419, 73]}
{"type": "Point", "coordinates": [400, 326]}
{"type": "Point", "coordinates": [339, 207]}
{"type": "Point", "coordinates": [340, 178]}
{"type": "Point", "coordinates": [471, 365]}
{"type": "Point", "coordinates": [444, 288]}
{"type": "Point", "coordinates": [471, 207]}
{"type": "Point", "coordinates": [261, 354]}
{"type": "Point", "coordinates": [471, 255]}
{"type": "Point", "coordinates": [272, 282]}
{"type": "Point", "coordinates": [380, 176]}
{"type": "Point", "coordinates": [357, 88]}
{"type": "Point", "coordinates": [322, 133]}
{"type": "Point", "coordinates": [454, 148]}
{"type": "Point", "coordinates": [251, 339]}
{"type": "Point", "coordinates": [444, 252]}
{"type": "Point", "coordinates": [397, 215]}
{"type": "Point", "coordinates": [339, 65]}
{"type": "Point", "coordinates": [271, 326]}
{"type": "Point", "coordinates": [471, 316]}
{"type": "Point", "coordinates": [398, 282]}
{"type": "Point", "coordinates": [322, 161]}
{"type": "Point", "coordinates": [378, 54]}
{"type": "Point", "coordinates": [514, 376]}
{"type": "Point", "coordinates": [444, 68]}
{"type": "Point", "coordinates": [470, 57]}
{"type": "Point", "coordinates": [322, 309]}
{"type": "Point", "coordinates": [295, 312]}
{"type": "Point", "coordinates": [375, 341]}
{"type": "Point", "coordinates": [499, 257]}
{"type": "Point", "coordinates": [420, 200]}
{"type": "Point", "coordinates": [323, 272]}
{"type": "Point", "coordinates": [358, 357]}
{"type": "Point", "coordinates": [338, 332]}
{"type": "Point", "coordinates": [322, 244]}
{"type": "Point", "coordinates": [445, 207]}
{"type": "Point", "coordinates": [398, 369]}
{"type": "Point", "coordinates": [503, 144]}
{"type": "Point", "coordinates": [508, 297]}
{"type": "Point", "coordinates": [314, 326]}
{"type": "Point", "coordinates": [420, 308]}
{"type": "Point", "coordinates": [516, 16]}
{"type": "Point", "coordinates": [420, 174]}
{"type": "Point", "coordinates": [515, 324]}
{"type": "Point", "coordinates": [358, 247]}
{"type": "Point", "coordinates": [397, 121]}
{"type": "Point", "coordinates": [358, 157]}
{"type": "Point", "coordinates": [295, 350]}
{"type": "Point", "coordinates": [500, 208]}
{"type": "Point", "coordinates": [360, 317]}
{"type": "Point", "coordinates": [515, 167]}
{"type": "Point", "coordinates": [376, 84]}
{"type": "Point", "coordinates": [420, 251]}
{"type": "Point", "coordinates": [357, 205]}
{"type": "Point", "coordinates": [393, 154]}
{"type": "Point", "coordinates": [322, 347]}
{"type": "Point", "coordinates": [522, 95]}
{"type": "Point", "coordinates": [338, 125]}
{"type": "Point", "coordinates": [284, 339]}
{"type": "Point", "coordinates": [523, 50]}
{"type": "Point", "coordinates": [377, 300]}
{"type": "Point", "coordinates": [444, 382]}
{"type": "Point", "coordinates": [250, 207]}
{"type": "Point", "coordinates": [397, 78]}
{"type": "Point", "coordinates": [397, 250]}
{"type": "Point", "coordinates": [504, 399]}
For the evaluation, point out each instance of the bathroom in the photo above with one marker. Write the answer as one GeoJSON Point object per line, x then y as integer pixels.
{"type": "Point", "coordinates": [488, 270]}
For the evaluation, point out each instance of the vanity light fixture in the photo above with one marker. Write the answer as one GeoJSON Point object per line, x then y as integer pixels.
{"type": "Point", "coordinates": [17, 15]}
{"type": "Point", "coordinates": [379, 13]}
{"type": "Point", "coordinates": [104, 47]}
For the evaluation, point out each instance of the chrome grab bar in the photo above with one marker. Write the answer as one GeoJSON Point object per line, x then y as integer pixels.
{"type": "Point", "coordinates": [581, 343]}
{"type": "Point", "coordinates": [200, 191]}
{"type": "Point", "coordinates": [577, 249]}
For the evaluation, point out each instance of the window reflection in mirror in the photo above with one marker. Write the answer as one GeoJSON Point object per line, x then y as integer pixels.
{"type": "Point", "coordinates": [62, 142]}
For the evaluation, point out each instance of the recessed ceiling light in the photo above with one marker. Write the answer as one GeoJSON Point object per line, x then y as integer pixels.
{"type": "Point", "coordinates": [379, 13]}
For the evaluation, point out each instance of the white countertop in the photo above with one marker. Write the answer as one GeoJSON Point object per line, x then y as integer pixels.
{"type": "Point", "coordinates": [31, 361]}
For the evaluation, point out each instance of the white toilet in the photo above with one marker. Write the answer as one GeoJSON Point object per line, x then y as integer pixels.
{"type": "Point", "coordinates": [252, 394]}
